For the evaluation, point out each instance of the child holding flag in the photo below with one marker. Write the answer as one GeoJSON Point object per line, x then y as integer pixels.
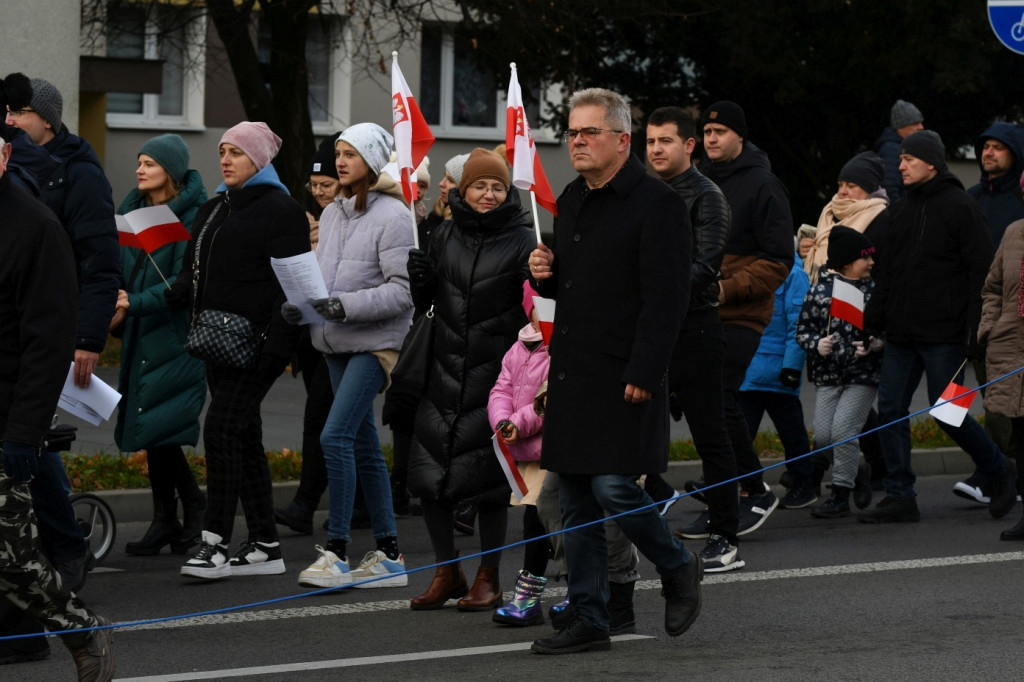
{"type": "Point", "coordinates": [844, 365]}
{"type": "Point", "coordinates": [514, 420]}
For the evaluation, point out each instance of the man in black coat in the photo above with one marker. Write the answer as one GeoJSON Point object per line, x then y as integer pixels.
{"type": "Point", "coordinates": [927, 302]}
{"type": "Point", "coordinates": [38, 294]}
{"type": "Point", "coordinates": [619, 274]}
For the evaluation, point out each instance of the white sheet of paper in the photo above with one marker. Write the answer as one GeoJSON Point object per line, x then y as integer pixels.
{"type": "Point", "coordinates": [93, 404]}
{"type": "Point", "coordinates": [302, 281]}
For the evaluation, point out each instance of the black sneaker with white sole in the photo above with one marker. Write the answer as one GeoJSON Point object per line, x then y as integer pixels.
{"type": "Point", "coordinates": [720, 556]}
{"type": "Point", "coordinates": [258, 558]}
{"type": "Point", "coordinates": [698, 530]}
{"type": "Point", "coordinates": [755, 510]}
{"type": "Point", "coordinates": [801, 494]}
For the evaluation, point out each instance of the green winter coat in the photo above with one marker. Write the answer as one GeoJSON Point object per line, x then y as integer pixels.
{"type": "Point", "coordinates": [162, 387]}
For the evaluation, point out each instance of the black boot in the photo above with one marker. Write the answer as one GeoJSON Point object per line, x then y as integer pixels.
{"type": "Point", "coordinates": [164, 529]}
{"type": "Point", "coordinates": [621, 620]}
{"type": "Point", "coordinates": [836, 506]}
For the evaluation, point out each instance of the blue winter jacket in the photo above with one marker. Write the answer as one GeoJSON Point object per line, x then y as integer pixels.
{"type": "Point", "coordinates": [1000, 197]}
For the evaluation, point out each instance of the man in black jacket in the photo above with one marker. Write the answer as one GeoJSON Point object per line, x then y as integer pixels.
{"type": "Point", "coordinates": [927, 302]}
{"type": "Point", "coordinates": [38, 294]}
{"type": "Point", "coordinates": [695, 374]}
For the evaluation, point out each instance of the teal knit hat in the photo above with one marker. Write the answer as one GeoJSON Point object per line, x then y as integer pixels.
{"type": "Point", "coordinates": [171, 152]}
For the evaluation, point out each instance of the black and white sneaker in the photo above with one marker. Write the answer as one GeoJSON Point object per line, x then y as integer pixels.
{"type": "Point", "coordinates": [211, 561]}
{"type": "Point", "coordinates": [719, 556]}
{"type": "Point", "coordinates": [800, 495]}
{"type": "Point", "coordinates": [974, 489]}
{"type": "Point", "coordinates": [258, 558]}
{"type": "Point", "coordinates": [755, 510]}
{"type": "Point", "coordinates": [698, 530]}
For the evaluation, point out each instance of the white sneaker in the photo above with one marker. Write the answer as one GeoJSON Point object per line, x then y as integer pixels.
{"type": "Point", "coordinates": [327, 571]}
{"type": "Point", "coordinates": [258, 558]}
{"type": "Point", "coordinates": [383, 572]}
{"type": "Point", "coordinates": [211, 561]}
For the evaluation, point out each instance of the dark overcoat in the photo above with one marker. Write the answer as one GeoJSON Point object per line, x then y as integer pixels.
{"type": "Point", "coordinates": [621, 287]}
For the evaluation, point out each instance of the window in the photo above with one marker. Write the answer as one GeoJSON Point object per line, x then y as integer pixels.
{"type": "Point", "coordinates": [470, 104]}
{"type": "Point", "coordinates": [328, 67]}
{"type": "Point", "coordinates": [166, 33]}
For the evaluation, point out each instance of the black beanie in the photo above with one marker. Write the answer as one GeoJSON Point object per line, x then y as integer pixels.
{"type": "Point", "coordinates": [927, 146]}
{"type": "Point", "coordinates": [864, 170]}
{"type": "Point", "coordinates": [846, 245]}
{"type": "Point", "coordinates": [323, 160]}
{"type": "Point", "coordinates": [728, 114]}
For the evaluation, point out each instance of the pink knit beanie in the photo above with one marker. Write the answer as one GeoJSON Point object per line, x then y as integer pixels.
{"type": "Point", "coordinates": [256, 139]}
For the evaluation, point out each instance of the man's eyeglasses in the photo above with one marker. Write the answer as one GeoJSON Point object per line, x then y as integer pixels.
{"type": "Point", "coordinates": [18, 113]}
{"type": "Point", "coordinates": [587, 133]}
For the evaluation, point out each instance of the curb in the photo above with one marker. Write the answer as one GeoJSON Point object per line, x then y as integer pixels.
{"type": "Point", "coordinates": [136, 505]}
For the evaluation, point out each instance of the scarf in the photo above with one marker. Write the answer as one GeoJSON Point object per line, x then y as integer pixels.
{"type": "Point", "coordinates": [855, 213]}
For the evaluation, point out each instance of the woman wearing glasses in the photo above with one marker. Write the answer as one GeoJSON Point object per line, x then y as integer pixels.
{"type": "Point", "coordinates": [472, 272]}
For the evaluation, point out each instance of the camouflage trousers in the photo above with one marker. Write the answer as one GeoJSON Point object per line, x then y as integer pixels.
{"type": "Point", "coordinates": [26, 578]}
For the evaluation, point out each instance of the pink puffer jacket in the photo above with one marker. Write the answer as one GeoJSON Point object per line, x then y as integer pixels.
{"type": "Point", "coordinates": [522, 373]}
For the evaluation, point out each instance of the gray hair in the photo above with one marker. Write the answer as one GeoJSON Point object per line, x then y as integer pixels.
{"type": "Point", "coordinates": [616, 111]}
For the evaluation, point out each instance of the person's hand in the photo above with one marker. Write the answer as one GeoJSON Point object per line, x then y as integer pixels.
{"type": "Point", "coordinates": [541, 260]}
{"type": "Point", "coordinates": [420, 268]}
{"type": "Point", "coordinates": [329, 308]}
{"type": "Point", "coordinates": [975, 351]}
{"type": "Point", "coordinates": [875, 344]}
{"type": "Point", "coordinates": [85, 365]}
{"type": "Point", "coordinates": [509, 432]}
{"type": "Point", "coordinates": [635, 394]}
{"type": "Point", "coordinates": [20, 461]}
{"type": "Point", "coordinates": [178, 296]}
{"type": "Point", "coordinates": [789, 377]}
{"type": "Point", "coordinates": [291, 313]}
{"type": "Point", "coordinates": [804, 247]}
{"type": "Point", "coordinates": [122, 300]}
{"type": "Point", "coordinates": [825, 344]}
{"type": "Point", "coordinates": [118, 318]}
{"type": "Point", "coordinates": [859, 349]}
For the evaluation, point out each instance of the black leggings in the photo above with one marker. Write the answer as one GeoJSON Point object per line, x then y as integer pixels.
{"type": "Point", "coordinates": [536, 553]}
{"type": "Point", "coordinates": [492, 521]}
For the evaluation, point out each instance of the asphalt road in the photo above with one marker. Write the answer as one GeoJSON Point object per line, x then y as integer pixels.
{"type": "Point", "coordinates": [818, 599]}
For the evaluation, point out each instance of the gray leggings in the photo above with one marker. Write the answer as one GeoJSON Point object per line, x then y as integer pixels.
{"type": "Point", "coordinates": [839, 413]}
{"type": "Point", "coordinates": [623, 559]}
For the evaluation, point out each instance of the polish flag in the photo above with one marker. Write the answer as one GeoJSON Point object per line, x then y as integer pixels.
{"type": "Point", "coordinates": [527, 172]}
{"type": "Point", "coordinates": [508, 465]}
{"type": "Point", "coordinates": [412, 135]}
{"type": "Point", "coordinates": [545, 308]}
{"type": "Point", "coordinates": [150, 228]}
{"type": "Point", "coordinates": [957, 400]}
{"type": "Point", "coordinates": [847, 303]}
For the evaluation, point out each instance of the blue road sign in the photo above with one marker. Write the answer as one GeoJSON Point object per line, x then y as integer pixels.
{"type": "Point", "coordinates": [1007, 20]}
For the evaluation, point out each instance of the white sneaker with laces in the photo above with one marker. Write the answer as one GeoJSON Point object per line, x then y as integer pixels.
{"type": "Point", "coordinates": [385, 572]}
{"type": "Point", "coordinates": [211, 562]}
{"type": "Point", "coordinates": [258, 558]}
{"type": "Point", "coordinates": [327, 571]}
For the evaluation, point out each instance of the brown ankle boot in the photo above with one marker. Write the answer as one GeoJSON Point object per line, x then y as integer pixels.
{"type": "Point", "coordinates": [485, 593]}
{"type": "Point", "coordinates": [449, 583]}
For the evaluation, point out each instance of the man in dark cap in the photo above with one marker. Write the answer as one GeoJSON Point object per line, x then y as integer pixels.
{"type": "Point", "coordinates": [758, 256]}
{"type": "Point", "coordinates": [904, 119]}
{"type": "Point", "coordinates": [927, 302]}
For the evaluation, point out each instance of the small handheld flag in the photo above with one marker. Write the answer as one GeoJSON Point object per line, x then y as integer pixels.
{"type": "Point", "coordinates": [150, 228]}
{"type": "Point", "coordinates": [545, 308]}
{"type": "Point", "coordinates": [847, 303]}
{"type": "Point", "coordinates": [957, 401]}
{"type": "Point", "coordinates": [508, 465]}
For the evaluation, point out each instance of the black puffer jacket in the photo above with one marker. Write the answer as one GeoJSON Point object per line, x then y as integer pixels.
{"type": "Point", "coordinates": [480, 261]}
{"type": "Point", "coordinates": [710, 219]}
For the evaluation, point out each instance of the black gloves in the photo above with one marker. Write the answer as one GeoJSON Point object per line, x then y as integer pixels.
{"type": "Point", "coordinates": [179, 296]}
{"type": "Point", "coordinates": [291, 313]}
{"type": "Point", "coordinates": [420, 268]}
{"type": "Point", "coordinates": [675, 407]}
{"type": "Point", "coordinates": [329, 308]}
{"type": "Point", "coordinates": [790, 378]}
{"type": "Point", "coordinates": [975, 351]}
{"type": "Point", "coordinates": [20, 461]}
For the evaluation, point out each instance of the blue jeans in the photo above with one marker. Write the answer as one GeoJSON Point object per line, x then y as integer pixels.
{"type": "Point", "coordinates": [585, 499]}
{"type": "Point", "coordinates": [350, 445]}
{"type": "Point", "coordinates": [902, 367]}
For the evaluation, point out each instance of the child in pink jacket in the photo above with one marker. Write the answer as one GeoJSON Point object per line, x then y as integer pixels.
{"type": "Point", "coordinates": [510, 410]}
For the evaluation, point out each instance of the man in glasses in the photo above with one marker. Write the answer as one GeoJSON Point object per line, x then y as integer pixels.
{"type": "Point", "coordinates": [619, 273]}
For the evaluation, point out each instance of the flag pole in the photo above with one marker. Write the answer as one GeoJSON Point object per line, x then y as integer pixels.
{"type": "Point", "coordinates": [955, 374]}
{"type": "Point", "coordinates": [415, 228]}
{"type": "Point", "coordinates": [158, 269]}
{"type": "Point", "coordinates": [536, 219]}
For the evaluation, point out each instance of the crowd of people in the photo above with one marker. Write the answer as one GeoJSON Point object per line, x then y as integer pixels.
{"type": "Point", "coordinates": [683, 290]}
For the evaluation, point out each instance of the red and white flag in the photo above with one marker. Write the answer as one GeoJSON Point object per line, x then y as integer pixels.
{"type": "Point", "coordinates": [954, 411]}
{"type": "Point", "coordinates": [545, 308]}
{"type": "Point", "coordinates": [508, 465]}
{"type": "Point", "coordinates": [847, 303]}
{"type": "Point", "coordinates": [412, 135]}
{"type": "Point", "coordinates": [527, 172]}
{"type": "Point", "coordinates": [150, 228]}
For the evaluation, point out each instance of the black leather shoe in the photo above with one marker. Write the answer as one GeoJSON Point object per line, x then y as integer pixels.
{"type": "Point", "coordinates": [296, 518]}
{"type": "Point", "coordinates": [682, 596]}
{"type": "Point", "coordinates": [1015, 533]}
{"type": "Point", "coordinates": [578, 636]}
{"type": "Point", "coordinates": [1004, 492]}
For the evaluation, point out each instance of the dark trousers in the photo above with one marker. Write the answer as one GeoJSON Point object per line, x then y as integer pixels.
{"type": "Point", "coordinates": [319, 398]}
{"type": "Point", "coordinates": [787, 414]}
{"type": "Point", "coordinates": [236, 462]}
{"type": "Point", "coordinates": [696, 378]}
{"type": "Point", "coordinates": [60, 537]}
{"type": "Point", "coordinates": [492, 519]}
{"type": "Point", "coordinates": [740, 345]}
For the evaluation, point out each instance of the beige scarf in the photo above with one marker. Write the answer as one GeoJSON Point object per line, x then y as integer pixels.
{"type": "Point", "coordinates": [855, 213]}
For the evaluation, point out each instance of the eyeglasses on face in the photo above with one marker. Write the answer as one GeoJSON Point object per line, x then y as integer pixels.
{"type": "Point", "coordinates": [493, 189]}
{"type": "Point", "coordinates": [587, 133]}
{"type": "Point", "coordinates": [18, 113]}
{"type": "Point", "coordinates": [329, 186]}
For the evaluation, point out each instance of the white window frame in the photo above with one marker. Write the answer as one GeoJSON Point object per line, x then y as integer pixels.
{"type": "Point", "coordinates": [194, 87]}
{"type": "Point", "coordinates": [339, 82]}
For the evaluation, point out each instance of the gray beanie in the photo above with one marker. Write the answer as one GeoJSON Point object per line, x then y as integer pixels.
{"type": "Point", "coordinates": [454, 167]}
{"type": "Point", "coordinates": [927, 146]}
{"type": "Point", "coordinates": [48, 103]}
{"type": "Point", "coordinates": [371, 141]}
{"type": "Point", "coordinates": [903, 114]}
